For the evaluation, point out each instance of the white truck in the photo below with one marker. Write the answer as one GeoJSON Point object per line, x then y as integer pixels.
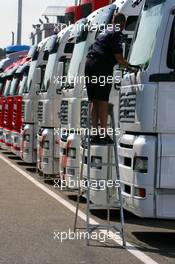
{"type": "Point", "coordinates": [101, 17]}
{"type": "Point", "coordinates": [72, 97]}
{"type": "Point", "coordinates": [147, 147]}
{"type": "Point", "coordinates": [48, 142]}
{"type": "Point", "coordinates": [29, 104]}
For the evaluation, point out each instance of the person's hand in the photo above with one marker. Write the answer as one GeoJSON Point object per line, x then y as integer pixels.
{"type": "Point", "coordinates": [133, 67]}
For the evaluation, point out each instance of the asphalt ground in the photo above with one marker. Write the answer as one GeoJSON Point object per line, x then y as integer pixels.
{"type": "Point", "coordinates": [31, 219]}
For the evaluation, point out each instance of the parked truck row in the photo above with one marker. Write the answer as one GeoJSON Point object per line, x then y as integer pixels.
{"type": "Point", "coordinates": [43, 106]}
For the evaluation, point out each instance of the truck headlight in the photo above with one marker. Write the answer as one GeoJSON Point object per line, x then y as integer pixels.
{"type": "Point", "coordinates": [63, 151]}
{"type": "Point", "coordinates": [46, 160]}
{"type": "Point", "coordinates": [139, 192]}
{"type": "Point", "coordinates": [72, 153]}
{"type": "Point", "coordinates": [141, 164]}
{"type": "Point", "coordinates": [46, 144]}
{"type": "Point", "coordinates": [96, 162]}
{"type": "Point", "coordinates": [71, 172]}
{"type": "Point", "coordinates": [27, 137]}
{"type": "Point", "coordinates": [15, 139]}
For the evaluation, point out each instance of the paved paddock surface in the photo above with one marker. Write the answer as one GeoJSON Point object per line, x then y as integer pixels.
{"type": "Point", "coordinates": [32, 214]}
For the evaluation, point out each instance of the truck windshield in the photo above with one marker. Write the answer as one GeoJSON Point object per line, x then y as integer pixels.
{"type": "Point", "coordinates": [1, 87]}
{"type": "Point", "coordinates": [145, 37]}
{"type": "Point", "coordinates": [75, 63]}
{"type": "Point", "coordinates": [7, 87]}
{"type": "Point", "coordinates": [22, 85]}
{"type": "Point", "coordinates": [69, 18]}
{"type": "Point", "coordinates": [30, 76]}
{"type": "Point", "coordinates": [86, 9]}
{"type": "Point", "coordinates": [48, 72]}
{"type": "Point", "coordinates": [14, 84]}
{"type": "Point", "coordinates": [31, 70]}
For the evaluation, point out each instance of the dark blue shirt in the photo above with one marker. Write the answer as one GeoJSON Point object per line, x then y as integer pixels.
{"type": "Point", "coordinates": [105, 46]}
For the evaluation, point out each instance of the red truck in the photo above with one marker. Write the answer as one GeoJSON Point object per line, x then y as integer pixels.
{"type": "Point", "coordinates": [22, 75]}
{"type": "Point", "coordinates": [5, 79]}
{"type": "Point", "coordinates": [74, 13]}
{"type": "Point", "coordinates": [88, 6]}
{"type": "Point", "coordinates": [11, 86]}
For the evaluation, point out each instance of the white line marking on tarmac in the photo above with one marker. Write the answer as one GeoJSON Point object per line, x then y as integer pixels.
{"type": "Point", "coordinates": [129, 247]}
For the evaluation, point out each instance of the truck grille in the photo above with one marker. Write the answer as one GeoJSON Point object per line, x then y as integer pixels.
{"type": "Point", "coordinates": [64, 112]}
{"type": "Point", "coordinates": [127, 107]}
{"type": "Point", "coordinates": [23, 109]}
{"type": "Point", "coordinates": [6, 114]}
{"type": "Point", "coordinates": [0, 111]}
{"type": "Point", "coordinates": [40, 111]}
{"type": "Point", "coordinates": [84, 113]}
{"type": "Point", "coordinates": [14, 114]}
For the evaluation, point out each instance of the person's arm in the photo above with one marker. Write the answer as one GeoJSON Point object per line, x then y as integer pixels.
{"type": "Point", "coordinates": [120, 60]}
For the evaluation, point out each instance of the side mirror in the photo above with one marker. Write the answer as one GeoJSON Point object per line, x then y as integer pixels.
{"type": "Point", "coordinates": [37, 76]}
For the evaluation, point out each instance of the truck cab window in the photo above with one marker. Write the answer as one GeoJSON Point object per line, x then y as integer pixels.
{"type": "Point", "coordinates": [69, 48]}
{"type": "Point", "coordinates": [69, 18]}
{"type": "Point", "coordinates": [131, 23]}
{"type": "Point", "coordinates": [43, 86]}
{"type": "Point", "coordinates": [86, 9]}
{"type": "Point", "coordinates": [46, 55]}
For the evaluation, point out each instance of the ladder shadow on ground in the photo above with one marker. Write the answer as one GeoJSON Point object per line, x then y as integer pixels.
{"type": "Point", "coordinates": [107, 244]}
{"type": "Point", "coordinates": [148, 222]}
{"type": "Point", "coordinates": [25, 164]}
{"type": "Point", "coordinates": [161, 243]}
{"type": "Point", "coordinates": [74, 198]}
{"type": "Point", "coordinates": [33, 170]}
{"type": "Point", "coordinates": [14, 157]}
{"type": "Point", "coordinates": [8, 153]}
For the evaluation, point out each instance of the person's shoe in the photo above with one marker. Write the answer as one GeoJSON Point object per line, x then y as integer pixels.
{"type": "Point", "coordinates": [94, 139]}
{"type": "Point", "coordinates": [106, 141]}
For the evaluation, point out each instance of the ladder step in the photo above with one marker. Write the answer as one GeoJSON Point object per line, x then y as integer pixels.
{"type": "Point", "coordinates": [116, 205]}
{"type": "Point", "coordinates": [117, 227]}
{"type": "Point", "coordinates": [101, 164]}
{"type": "Point", "coordinates": [85, 144]}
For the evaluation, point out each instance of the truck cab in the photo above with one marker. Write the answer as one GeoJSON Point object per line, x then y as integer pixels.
{"type": "Point", "coordinates": [72, 14]}
{"type": "Point", "coordinates": [146, 149]}
{"type": "Point", "coordinates": [89, 6]}
{"type": "Point", "coordinates": [60, 49]}
{"type": "Point", "coordinates": [8, 66]}
{"type": "Point", "coordinates": [9, 103]}
{"type": "Point", "coordinates": [3, 80]}
{"type": "Point", "coordinates": [30, 103]}
{"type": "Point", "coordinates": [7, 109]}
{"type": "Point", "coordinates": [22, 75]}
{"type": "Point", "coordinates": [72, 96]}
{"type": "Point", "coordinates": [78, 101]}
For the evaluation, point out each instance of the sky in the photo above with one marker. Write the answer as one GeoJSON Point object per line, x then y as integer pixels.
{"type": "Point", "coordinates": [32, 10]}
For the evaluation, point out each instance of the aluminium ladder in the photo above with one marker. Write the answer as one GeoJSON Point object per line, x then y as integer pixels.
{"type": "Point", "coordinates": [87, 145]}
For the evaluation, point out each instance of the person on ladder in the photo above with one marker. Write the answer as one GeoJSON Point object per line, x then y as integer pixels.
{"type": "Point", "coordinates": [102, 56]}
